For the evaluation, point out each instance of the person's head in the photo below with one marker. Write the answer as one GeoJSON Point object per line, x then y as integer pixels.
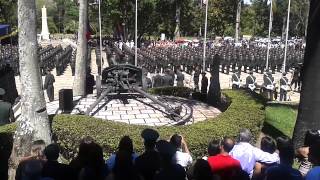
{"type": "Point", "coordinates": [227, 144]}
{"type": "Point", "coordinates": [268, 145]}
{"type": "Point", "coordinates": [214, 148]}
{"type": "Point", "coordinates": [202, 170]}
{"type": "Point", "coordinates": [48, 71]}
{"type": "Point", "coordinates": [284, 74]}
{"type": "Point", "coordinates": [311, 137]}
{"type": "Point", "coordinates": [286, 150]}
{"type": "Point", "coordinates": [175, 140]}
{"type": "Point", "coordinates": [37, 149]}
{"type": "Point", "coordinates": [52, 152]}
{"type": "Point", "coordinates": [314, 153]}
{"type": "Point", "coordinates": [166, 151]}
{"type": "Point", "coordinates": [84, 149]}
{"type": "Point", "coordinates": [126, 144]}
{"type": "Point", "coordinates": [245, 135]}
{"type": "Point", "coordinates": [251, 72]}
{"type": "Point", "coordinates": [150, 137]}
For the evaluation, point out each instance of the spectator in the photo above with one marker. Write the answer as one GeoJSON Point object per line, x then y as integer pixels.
{"type": "Point", "coordinates": [30, 167]}
{"type": "Point", "coordinates": [223, 164]}
{"type": "Point", "coordinates": [248, 155]}
{"type": "Point", "coordinates": [148, 163]}
{"type": "Point", "coordinates": [168, 170]}
{"type": "Point", "coordinates": [89, 164]}
{"type": "Point", "coordinates": [267, 145]}
{"type": "Point", "coordinates": [6, 113]}
{"type": "Point", "coordinates": [284, 170]}
{"type": "Point", "coordinates": [125, 145]}
{"type": "Point", "coordinates": [52, 168]}
{"type": "Point", "coordinates": [314, 158]}
{"type": "Point", "coordinates": [182, 155]}
{"type": "Point", "coordinates": [202, 171]}
{"type": "Point", "coordinates": [302, 153]}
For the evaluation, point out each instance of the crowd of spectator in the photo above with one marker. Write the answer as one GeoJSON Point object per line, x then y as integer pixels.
{"type": "Point", "coordinates": [171, 159]}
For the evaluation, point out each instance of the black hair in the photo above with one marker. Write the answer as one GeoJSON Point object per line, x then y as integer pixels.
{"type": "Point", "coordinates": [175, 140]}
{"type": "Point", "coordinates": [149, 144]}
{"type": "Point", "coordinates": [52, 152]}
{"type": "Point", "coordinates": [126, 144]}
{"type": "Point", "coordinates": [286, 150]}
{"type": "Point", "coordinates": [314, 153]}
{"type": "Point", "coordinates": [268, 145]}
{"type": "Point", "coordinates": [227, 144]}
{"type": "Point", "coordinates": [311, 137]}
{"type": "Point", "coordinates": [214, 148]}
{"type": "Point", "coordinates": [202, 170]}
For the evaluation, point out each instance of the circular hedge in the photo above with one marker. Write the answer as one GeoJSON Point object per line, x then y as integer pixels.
{"type": "Point", "coordinates": [245, 111]}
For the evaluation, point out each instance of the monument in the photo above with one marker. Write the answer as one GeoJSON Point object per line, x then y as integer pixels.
{"type": "Point", "coordinates": [44, 31]}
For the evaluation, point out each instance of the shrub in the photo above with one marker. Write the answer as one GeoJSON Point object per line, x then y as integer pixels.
{"type": "Point", "coordinates": [244, 112]}
{"type": "Point", "coordinates": [171, 91]}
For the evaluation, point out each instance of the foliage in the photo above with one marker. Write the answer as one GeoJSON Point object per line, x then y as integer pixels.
{"type": "Point", "coordinates": [8, 12]}
{"type": "Point", "coordinates": [172, 91]}
{"type": "Point", "coordinates": [282, 117]}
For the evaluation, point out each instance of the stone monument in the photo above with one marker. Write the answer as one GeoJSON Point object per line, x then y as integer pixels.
{"type": "Point", "coordinates": [45, 31]}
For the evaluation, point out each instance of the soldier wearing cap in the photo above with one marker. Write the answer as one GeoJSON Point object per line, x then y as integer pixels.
{"type": "Point", "coordinates": [6, 112]}
{"type": "Point", "coordinates": [167, 79]}
{"type": "Point", "coordinates": [251, 81]}
{"type": "Point", "coordinates": [284, 87]}
{"type": "Point", "coordinates": [235, 79]}
{"type": "Point", "coordinates": [48, 85]}
{"type": "Point", "coordinates": [204, 83]}
{"type": "Point", "coordinates": [157, 79]}
{"type": "Point", "coordinates": [268, 82]}
{"type": "Point", "coordinates": [196, 78]}
{"type": "Point", "coordinates": [180, 78]}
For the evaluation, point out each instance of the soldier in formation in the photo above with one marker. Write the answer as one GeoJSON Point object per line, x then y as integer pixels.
{"type": "Point", "coordinates": [48, 85]}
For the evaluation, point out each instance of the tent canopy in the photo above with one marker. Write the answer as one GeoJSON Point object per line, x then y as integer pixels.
{"type": "Point", "coordinates": [4, 29]}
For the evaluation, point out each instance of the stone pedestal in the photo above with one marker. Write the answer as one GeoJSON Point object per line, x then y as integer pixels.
{"type": "Point", "coordinates": [45, 31]}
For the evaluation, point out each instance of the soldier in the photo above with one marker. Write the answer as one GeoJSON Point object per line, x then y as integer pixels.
{"type": "Point", "coordinates": [204, 83]}
{"type": "Point", "coordinates": [89, 82]}
{"type": "Point", "coordinates": [167, 79]}
{"type": "Point", "coordinates": [295, 78]}
{"type": "Point", "coordinates": [180, 78]}
{"type": "Point", "coordinates": [6, 113]}
{"type": "Point", "coordinates": [48, 85]}
{"type": "Point", "coordinates": [284, 85]}
{"type": "Point", "coordinates": [196, 78]}
{"type": "Point", "coordinates": [268, 82]}
{"type": "Point", "coordinates": [157, 79]}
{"type": "Point", "coordinates": [235, 79]}
{"type": "Point", "coordinates": [251, 81]}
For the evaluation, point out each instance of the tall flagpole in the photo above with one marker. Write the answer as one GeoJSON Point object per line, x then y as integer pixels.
{"type": "Point", "coordinates": [269, 37]}
{"type": "Point", "coordinates": [205, 37]}
{"type": "Point", "coordinates": [287, 34]}
{"type": "Point", "coordinates": [136, 37]}
{"type": "Point", "coordinates": [100, 35]}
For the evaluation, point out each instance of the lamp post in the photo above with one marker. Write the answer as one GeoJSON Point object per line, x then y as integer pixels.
{"type": "Point", "coordinates": [136, 36]}
{"type": "Point", "coordinates": [269, 37]}
{"type": "Point", "coordinates": [287, 34]}
{"type": "Point", "coordinates": [205, 37]}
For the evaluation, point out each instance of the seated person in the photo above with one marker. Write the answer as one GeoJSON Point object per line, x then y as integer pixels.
{"type": "Point", "coordinates": [182, 155]}
{"type": "Point", "coordinates": [314, 158]}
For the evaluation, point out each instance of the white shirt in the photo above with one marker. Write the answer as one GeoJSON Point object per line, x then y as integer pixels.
{"type": "Point", "coordinates": [183, 159]}
{"type": "Point", "coordinates": [248, 155]}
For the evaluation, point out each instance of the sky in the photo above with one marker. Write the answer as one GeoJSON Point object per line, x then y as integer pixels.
{"type": "Point", "coordinates": [247, 2]}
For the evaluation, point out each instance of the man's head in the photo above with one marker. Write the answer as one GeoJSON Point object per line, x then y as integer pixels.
{"type": "Point", "coordinates": [176, 140]}
{"type": "Point", "coordinates": [314, 153]}
{"type": "Point", "coordinates": [150, 137]}
{"type": "Point", "coordinates": [226, 144]}
{"type": "Point", "coordinates": [286, 150]}
{"type": "Point", "coordinates": [268, 145]}
{"type": "Point", "coordinates": [214, 148]}
{"type": "Point", "coordinates": [52, 152]}
{"type": "Point", "coordinates": [245, 135]}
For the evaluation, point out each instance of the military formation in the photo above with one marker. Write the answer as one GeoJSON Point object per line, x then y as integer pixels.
{"type": "Point", "coordinates": [249, 58]}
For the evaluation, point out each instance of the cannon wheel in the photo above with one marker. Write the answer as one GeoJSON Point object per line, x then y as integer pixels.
{"type": "Point", "coordinates": [98, 85]}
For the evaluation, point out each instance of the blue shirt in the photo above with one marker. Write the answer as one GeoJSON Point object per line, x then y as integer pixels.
{"type": "Point", "coordinates": [314, 173]}
{"type": "Point", "coordinates": [282, 171]}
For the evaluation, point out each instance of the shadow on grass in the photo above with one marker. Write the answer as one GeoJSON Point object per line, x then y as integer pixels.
{"type": "Point", "coordinates": [271, 131]}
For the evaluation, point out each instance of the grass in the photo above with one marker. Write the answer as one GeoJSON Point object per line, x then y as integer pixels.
{"type": "Point", "coordinates": [281, 118]}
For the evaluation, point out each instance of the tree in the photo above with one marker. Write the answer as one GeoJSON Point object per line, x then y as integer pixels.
{"type": "Point", "coordinates": [34, 123]}
{"type": "Point", "coordinates": [238, 17]}
{"type": "Point", "coordinates": [79, 82]}
{"type": "Point", "coordinates": [309, 111]}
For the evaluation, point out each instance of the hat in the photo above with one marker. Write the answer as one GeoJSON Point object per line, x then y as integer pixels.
{"type": "Point", "coordinates": [164, 147]}
{"type": "Point", "coordinates": [2, 92]}
{"type": "Point", "coordinates": [149, 134]}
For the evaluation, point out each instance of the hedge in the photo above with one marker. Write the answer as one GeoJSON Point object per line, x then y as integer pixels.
{"type": "Point", "coordinates": [244, 112]}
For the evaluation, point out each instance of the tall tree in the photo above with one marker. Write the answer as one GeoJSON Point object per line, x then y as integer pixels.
{"type": "Point", "coordinates": [309, 111]}
{"type": "Point", "coordinates": [33, 123]}
{"type": "Point", "coordinates": [79, 82]}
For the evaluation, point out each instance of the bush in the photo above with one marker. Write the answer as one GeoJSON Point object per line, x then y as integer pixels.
{"type": "Point", "coordinates": [171, 91]}
{"type": "Point", "coordinates": [244, 112]}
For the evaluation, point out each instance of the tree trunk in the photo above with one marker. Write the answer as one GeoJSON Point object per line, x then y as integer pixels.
{"type": "Point", "coordinates": [177, 29]}
{"type": "Point", "coordinates": [238, 21]}
{"type": "Point", "coordinates": [79, 82]}
{"type": "Point", "coordinates": [33, 123]}
{"type": "Point", "coordinates": [309, 111]}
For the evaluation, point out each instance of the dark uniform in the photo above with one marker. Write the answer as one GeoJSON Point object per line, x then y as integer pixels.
{"type": "Point", "coordinates": [89, 82]}
{"type": "Point", "coordinates": [251, 82]}
{"type": "Point", "coordinates": [180, 78]}
{"type": "Point", "coordinates": [235, 79]}
{"type": "Point", "coordinates": [196, 79]}
{"type": "Point", "coordinates": [157, 80]}
{"type": "Point", "coordinates": [48, 85]}
{"type": "Point", "coordinates": [204, 84]}
{"type": "Point", "coordinates": [268, 82]}
{"type": "Point", "coordinates": [283, 87]}
{"type": "Point", "coordinates": [6, 113]}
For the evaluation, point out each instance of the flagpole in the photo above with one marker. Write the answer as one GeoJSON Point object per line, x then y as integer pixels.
{"type": "Point", "coordinates": [136, 36]}
{"type": "Point", "coordinates": [205, 37]}
{"type": "Point", "coordinates": [287, 34]}
{"type": "Point", "coordinates": [269, 37]}
{"type": "Point", "coordinates": [100, 35]}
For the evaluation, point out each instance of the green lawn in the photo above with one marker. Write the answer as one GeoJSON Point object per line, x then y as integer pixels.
{"type": "Point", "coordinates": [282, 118]}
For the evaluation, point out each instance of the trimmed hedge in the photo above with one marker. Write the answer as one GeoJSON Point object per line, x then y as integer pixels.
{"type": "Point", "coordinates": [244, 112]}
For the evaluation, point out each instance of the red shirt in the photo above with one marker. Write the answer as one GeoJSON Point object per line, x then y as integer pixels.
{"type": "Point", "coordinates": [224, 165]}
